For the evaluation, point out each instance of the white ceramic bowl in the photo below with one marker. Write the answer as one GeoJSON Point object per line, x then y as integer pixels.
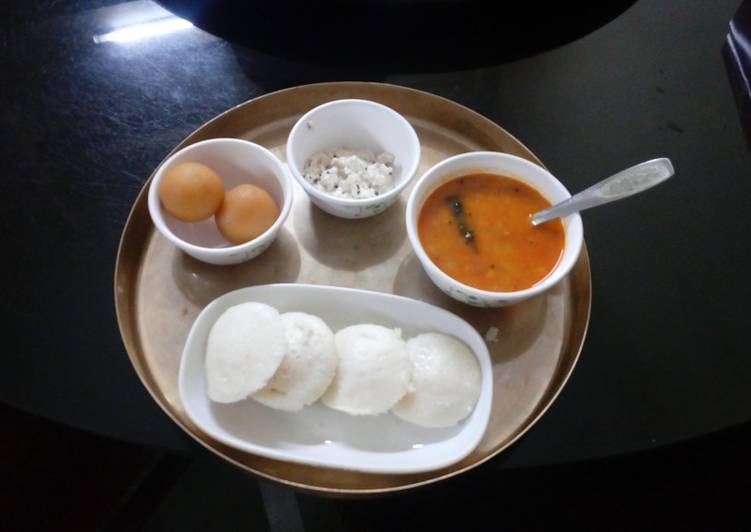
{"type": "Point", "coordinates": [318, 435]}
{"type": "Point", "coordinates": [511, 166]}
{"type": "Point", "coordinates": [354, 124]}
{"type": "Point", "coordinates": [237, 162]}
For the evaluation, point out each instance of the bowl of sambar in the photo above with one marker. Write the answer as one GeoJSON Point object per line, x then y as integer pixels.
{"type": "Point", "coordinates": [468, 223]}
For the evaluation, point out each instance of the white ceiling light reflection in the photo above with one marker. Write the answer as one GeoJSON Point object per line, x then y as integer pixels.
{"type": "Point", "coordinates": [145, 30]}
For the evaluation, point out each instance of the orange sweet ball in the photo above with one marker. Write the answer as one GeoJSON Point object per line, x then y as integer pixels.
{"type": "Point", "coordinates": [246, 213]}
{"type": "Point", "coordinates": [191, 192]}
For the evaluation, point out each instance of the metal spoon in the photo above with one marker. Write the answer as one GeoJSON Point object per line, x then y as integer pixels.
{"type": "Point", "coordinates": [621, 185]}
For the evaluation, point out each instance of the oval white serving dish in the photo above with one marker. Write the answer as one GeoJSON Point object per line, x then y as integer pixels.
{"type": "Point", "coordinates": [318, 435]}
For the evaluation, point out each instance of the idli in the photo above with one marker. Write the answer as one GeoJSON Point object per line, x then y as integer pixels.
{"type": "Point", "coordinates": [245, 347]}
{"type": "Point", "coordinates": [373, 371]}
{"type": "Point", "coordinates": [445, 381]}
{"type": "Point", "coordinates": [306, 369]}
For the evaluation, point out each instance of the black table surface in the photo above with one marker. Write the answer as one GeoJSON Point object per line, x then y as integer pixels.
{"type": "Point", "coordinates": [84, 124]}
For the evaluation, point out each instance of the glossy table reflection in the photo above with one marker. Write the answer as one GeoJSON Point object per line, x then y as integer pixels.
{"type": "Point", "coordinates": [85, 122]}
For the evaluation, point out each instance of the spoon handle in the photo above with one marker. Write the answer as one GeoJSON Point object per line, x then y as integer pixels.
{"type": "Point", "coordinates": [621, 185]}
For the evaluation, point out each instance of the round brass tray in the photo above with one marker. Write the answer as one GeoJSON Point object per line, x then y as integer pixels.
{"type": "Point", "coordinates": [159, 290]}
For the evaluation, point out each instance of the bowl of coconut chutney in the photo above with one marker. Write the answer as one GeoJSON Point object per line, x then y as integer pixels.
{"type": "Point", "coordinates": [353, 157]}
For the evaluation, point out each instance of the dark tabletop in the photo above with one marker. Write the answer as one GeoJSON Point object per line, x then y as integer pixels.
{"type": "Point", "coordinates": [83, 124]}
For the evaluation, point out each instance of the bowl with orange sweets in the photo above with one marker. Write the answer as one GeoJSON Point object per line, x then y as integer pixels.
{"type": "Point", "coordinates": [221, 201]}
